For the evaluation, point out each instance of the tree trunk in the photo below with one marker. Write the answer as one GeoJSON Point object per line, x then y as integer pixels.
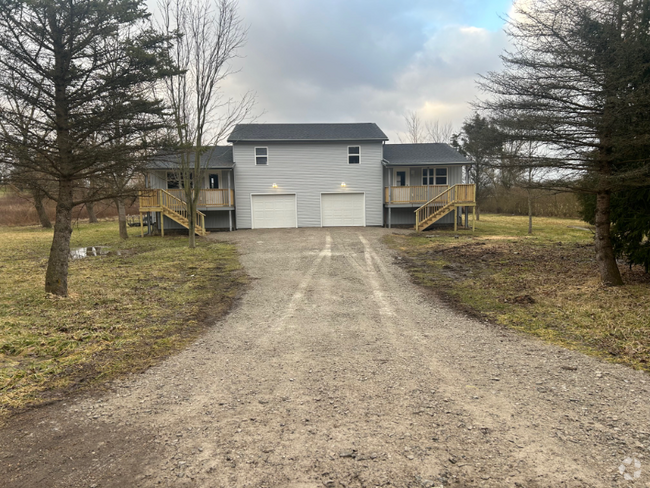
{"type": "Point", "coordinates": [40, 208]}
{"type": "Point", "coordinates": [56, 276]}
{"type": "Point", "coordinates": [121, 218]}
{"type": "Point", "coordinates": [605, 258]}
{"type": "Point", "coordinates": [530, 212]}
{"type": "Point", "coordinates": [191, 217]}
{"type": "Point", "coordinates": [92, 217]}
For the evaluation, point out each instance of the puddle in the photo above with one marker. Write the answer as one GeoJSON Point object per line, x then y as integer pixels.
{"type": "Point", "coordinates": [86, 252]}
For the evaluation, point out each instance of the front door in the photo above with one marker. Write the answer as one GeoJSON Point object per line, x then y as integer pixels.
{"type": "Point", "coordinates": [400, 178]}
{"type": "Point", "coordinates": [214, 181]}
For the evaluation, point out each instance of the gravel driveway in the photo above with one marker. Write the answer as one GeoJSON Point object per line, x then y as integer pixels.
{"type": "Point", "coordinates": [334, 370]}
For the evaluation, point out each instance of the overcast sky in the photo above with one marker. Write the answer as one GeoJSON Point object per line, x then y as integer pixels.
{"type": "Point", "coordinates": [368, 60]}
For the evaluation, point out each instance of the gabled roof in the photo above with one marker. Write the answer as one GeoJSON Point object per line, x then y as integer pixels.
{"type": "Point", "coordinates": [306, 132]}
{"type": "Point", "coordinates": [429, 153]}
{"type": "Point", "coordinates": [214, 157]}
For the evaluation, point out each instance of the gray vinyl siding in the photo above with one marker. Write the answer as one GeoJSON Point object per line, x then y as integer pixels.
{"type": "Point", "coordinates": [307, 170]}
{"type": "Point", "coordinates": [213, 220]}
{"type": "Point", "coordinates": [406, 216]}
{"type": "Point", "coordinates": [158, 180]}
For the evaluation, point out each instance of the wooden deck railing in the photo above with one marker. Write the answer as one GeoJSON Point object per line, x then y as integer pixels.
{"type": "Point", "coordinates": [412, 194]}
{"type": "Point", "coordinates": [210, 197]}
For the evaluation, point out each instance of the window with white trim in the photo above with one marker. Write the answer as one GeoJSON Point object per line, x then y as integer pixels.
{"type": "Point", "coordinates": [261, 155]}
{"type": "Point", "coordinates": [427, 176]}
{"type": "Point", "coordinates": [441, 176]}
{"type": "Point", "coordinates": [354, 154]}
{"type": "Point", "coordinates": [434, 176]}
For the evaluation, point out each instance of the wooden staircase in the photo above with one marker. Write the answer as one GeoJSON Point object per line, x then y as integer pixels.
{"type": "Point", "coordinates": [170, 206]}
{"type": "Point", "coordinates": [444, 203]}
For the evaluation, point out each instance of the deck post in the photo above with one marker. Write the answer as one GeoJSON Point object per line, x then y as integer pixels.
{"type": "Point", "coordinates": [229, 193]}
{"type": "Point", "coordinates": [162, 224]}
{"type": "Point", "coordinates": [141, 226]}
{"type": "Point", "coordinates": [466, 217]}
{"type": "Point", "coordinates": [473, 218]}
{"type": "Point", "coordinates": [390, 217]}
{"type": "Point", "coordinates": [230, 219]}
{"type": "Point", "coordinates": [455, 218]}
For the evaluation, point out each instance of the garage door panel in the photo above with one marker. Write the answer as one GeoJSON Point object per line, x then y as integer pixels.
{"type": "Point", "coordinates": [343, 210]}
{"type": "Point", "coordinates": [273, 211]}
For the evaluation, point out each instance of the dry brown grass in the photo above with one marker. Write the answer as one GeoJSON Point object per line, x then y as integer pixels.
{"type": "Point", "coordinates": [546, 284]}
{"type": "Point", "coordinates": [124, 312]}
{"type": "Point", "coordinates": [18, 209]}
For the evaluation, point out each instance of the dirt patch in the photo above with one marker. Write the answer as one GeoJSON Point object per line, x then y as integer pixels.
{"type": "Point", "coordinates": [548, 288]}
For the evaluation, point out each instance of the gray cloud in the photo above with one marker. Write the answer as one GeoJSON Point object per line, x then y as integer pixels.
{"type": "Point", "coordinates": [362, 60]}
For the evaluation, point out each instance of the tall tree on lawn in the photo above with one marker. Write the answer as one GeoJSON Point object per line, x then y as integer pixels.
{"type": "Point", "coordinates": [577, 82]}
{"type": "Point", "coordinates": [65, 51]}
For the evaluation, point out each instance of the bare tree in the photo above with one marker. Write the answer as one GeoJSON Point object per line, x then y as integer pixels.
{"type": "Point", "coordinates": [415, 129]}
{"type": "Point", "coordinates": [438, 131]}
{"type": "Point", "coordinates": [208, 35]}
{"type": "Point", "coordinates": [516, 158]}
{"type": "Point", "coordinates": [421, 131]}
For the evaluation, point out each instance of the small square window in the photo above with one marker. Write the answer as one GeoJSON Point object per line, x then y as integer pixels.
{"type": "Point", "coordinates": [261, 155]}
{"type": "Point", "coordinates": [354, 154]}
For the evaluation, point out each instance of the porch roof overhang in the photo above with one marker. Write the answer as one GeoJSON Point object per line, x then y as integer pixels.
{"type": "Point", "coordinates": [215, 157]}
{"type": "Point", "coordinates": [424, 154]}
{"type": "Point", "coordinates": [389, 164]}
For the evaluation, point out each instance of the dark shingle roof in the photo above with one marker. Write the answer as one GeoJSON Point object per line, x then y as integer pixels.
{"type": "Point", "coordinates": [307, 132]}
{"type": "Point", "coordinates": [436, 153]}
{"type": "Point", "coordinates": [213, 158]}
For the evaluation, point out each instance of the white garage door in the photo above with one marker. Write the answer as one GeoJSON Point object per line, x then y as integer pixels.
{"type": "Point", "coordinates": [343, 209]}
{"type": "Point", "coordinates": [273, 211]}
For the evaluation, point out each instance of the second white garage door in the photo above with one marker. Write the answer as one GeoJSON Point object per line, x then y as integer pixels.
{"type": "Point", "coordinates": [343, 209]}
{"type": "Point", "coordinates": [273, 211]}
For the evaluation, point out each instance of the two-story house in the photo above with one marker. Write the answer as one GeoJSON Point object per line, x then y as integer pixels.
{"type": "Point", "coordinates": [315, 175]}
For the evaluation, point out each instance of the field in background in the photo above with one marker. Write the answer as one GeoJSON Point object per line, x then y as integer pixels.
{"type": "Point", "coordinates": [546, 284]}
{"type": "Point", "coordinates": [18, 209]}
{"type": "Point", "coordinates": [140, 301]}
{"type": "Point", "coordinates": [514, 201]}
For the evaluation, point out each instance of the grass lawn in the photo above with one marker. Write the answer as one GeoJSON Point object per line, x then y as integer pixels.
{"type": "Point", "coordinates": [124, 312]}
{"type": "Point", "coordinates": [546, 284]}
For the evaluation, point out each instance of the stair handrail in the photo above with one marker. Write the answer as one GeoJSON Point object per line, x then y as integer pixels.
{"type": "Point", "coordinates": [177, 205]}
{"type": "Point", "coordinates": [423, 209]}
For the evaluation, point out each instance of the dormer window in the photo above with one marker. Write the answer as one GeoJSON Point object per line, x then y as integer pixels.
{"type": "Point", "coordinates": [354, 154]}
{"type": "Point", "coordinates": [261, 155]}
